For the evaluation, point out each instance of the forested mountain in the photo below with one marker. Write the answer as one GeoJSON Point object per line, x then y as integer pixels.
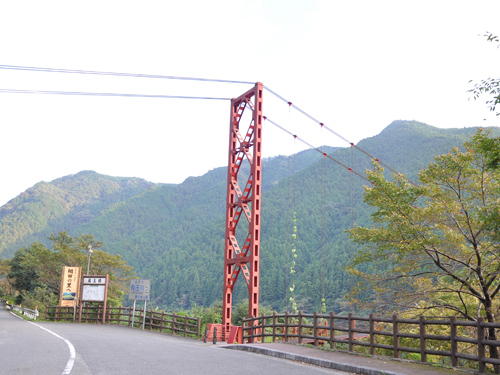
{"type": "Point", "coordinates": [174, 233]}
{"type": "Point", "coordinates": [63, 204]}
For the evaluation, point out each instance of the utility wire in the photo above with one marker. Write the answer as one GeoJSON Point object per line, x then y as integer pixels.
{"type": "Point", "coordinates": [290, 104]}
{"type": "Point", "coordinates": [15, 91]}
{"type": "Point", "coordinates": [73, 71]}
{"type": "Point", "coordinates": [317, 149]}
{"type": "Point", "coordinates": [303, 112]}
{"type": "Point", "coordinates": [138, 75]}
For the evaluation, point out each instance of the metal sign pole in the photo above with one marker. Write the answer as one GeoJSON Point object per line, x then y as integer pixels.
{"type": "Point", "coordinates": [144, 317]}
{"type": "Point", "coordinates": [133, 315]}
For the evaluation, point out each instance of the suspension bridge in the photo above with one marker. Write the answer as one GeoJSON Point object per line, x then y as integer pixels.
{"type": "Point", "coordinates": [243, 197]}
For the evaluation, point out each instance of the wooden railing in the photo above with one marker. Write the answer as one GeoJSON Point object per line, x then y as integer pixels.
{"type": "Point", "coordinates": [463, 340]}
{"type": "Point", "coordinates": [153, 320]}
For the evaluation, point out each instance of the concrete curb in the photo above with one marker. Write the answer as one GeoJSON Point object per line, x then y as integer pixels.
{"type": "Point", "coordinates": [311, 360]}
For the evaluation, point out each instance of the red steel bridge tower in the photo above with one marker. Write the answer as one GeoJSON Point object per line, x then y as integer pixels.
{"type": "Point", "coordinates": [244, 146]}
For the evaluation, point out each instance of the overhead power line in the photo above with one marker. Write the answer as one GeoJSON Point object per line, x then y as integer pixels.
{"type": "Point", "coordinates": [317, 149]}
{"type": "Point", "coordinates": [136, 75]}
{"type": "Point", "coordinates": [15, 91]}
{"type": "Point", "coordinates": [304, 113]}
{"type": "Point", "coordinates": [290, 104]}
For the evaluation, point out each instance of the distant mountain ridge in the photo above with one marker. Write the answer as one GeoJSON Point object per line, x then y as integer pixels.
{"type": "Point", "coordinates": [83, 201]}
{"type": "Point", "coordinates": [174, 233]}
{"type": "Point", "coordinates": [63, 203]}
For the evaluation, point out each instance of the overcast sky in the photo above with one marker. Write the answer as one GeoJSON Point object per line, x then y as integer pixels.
{"type": "Point", "coordinates": [354, 65]}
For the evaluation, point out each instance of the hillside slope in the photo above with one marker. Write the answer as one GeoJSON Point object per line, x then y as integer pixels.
{"type": "Point", "coordinates": [63, 204]}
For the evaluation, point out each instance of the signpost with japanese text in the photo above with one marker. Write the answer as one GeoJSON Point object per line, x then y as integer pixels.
{"type": "Point", "coordinates": [70, 286]}
{"type": "Point", "coordinates": [140, 291]}
{"type": "Point", "coordinates": [95, 289]}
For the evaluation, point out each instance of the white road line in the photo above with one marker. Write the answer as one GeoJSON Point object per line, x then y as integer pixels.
{"type": "Point", "coordinates": [72, 352]}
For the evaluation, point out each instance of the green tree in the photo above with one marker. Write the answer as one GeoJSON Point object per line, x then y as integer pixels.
{"type": "Point", "coordinates": [430, 245]}
{"type": "Point", "coordinates": [241, 312]}
{"type": "Point", "coordinates": [490, 86]}
{"type": "Point", "coordinates": [37, 266]}
{"type": "Point", "coordinates": [24, 277]}
{"type": "Point", "coordinates": [491, 148]}
{"type": "Point", "coordinates": [4, 267]}
{"type": "Point", "coordinates": [5, 286]}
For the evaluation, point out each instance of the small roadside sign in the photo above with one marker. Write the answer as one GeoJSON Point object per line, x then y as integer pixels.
{"type": "Point", "coordinates": [70, 286]}
{"type": "Point", "coordinates": [139, 290]}
{"type": "Point", "coordinates": [94, 288]}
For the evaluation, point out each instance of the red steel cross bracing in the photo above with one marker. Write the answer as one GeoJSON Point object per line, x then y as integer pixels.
{"type": "Point", "coordinates": [244, 259]}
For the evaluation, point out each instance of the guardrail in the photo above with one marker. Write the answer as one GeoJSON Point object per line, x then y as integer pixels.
{"type": "Point", "coordinates": [462, 342]}
{"type": "Point", "coordinates": [153, 320]}
{"type": "Point", "coordinates": [32, 314]}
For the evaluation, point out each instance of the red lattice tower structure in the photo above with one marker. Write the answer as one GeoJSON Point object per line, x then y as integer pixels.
{"type": "Point", "coordinates": [244, 145]}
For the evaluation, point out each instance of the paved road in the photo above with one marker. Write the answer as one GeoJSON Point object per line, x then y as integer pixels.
{"type": "Point", "coordinates": [26, 348]}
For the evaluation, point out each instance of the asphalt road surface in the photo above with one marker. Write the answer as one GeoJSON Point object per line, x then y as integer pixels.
{"type": "Point", "coordinates": [90, 349]}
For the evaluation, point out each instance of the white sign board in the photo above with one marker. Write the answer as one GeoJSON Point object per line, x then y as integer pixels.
{"type": "Point", "coordinates": [94, 280]}
{"type": "Point", "coordinates": [139, 290]}
{"type": "Point", "coordinates": [94, 288]}
{"type": "Point", "coordinates": [93, 293]}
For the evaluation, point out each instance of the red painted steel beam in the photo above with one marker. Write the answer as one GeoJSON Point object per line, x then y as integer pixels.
{"type": "Point", "coordinates": [243, 203]}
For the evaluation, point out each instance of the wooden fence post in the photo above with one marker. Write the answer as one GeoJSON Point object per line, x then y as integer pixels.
{"type": "Point", "coordinates": [315, 329]}
{"type": "Point", "coordinates": [372, 335]}
{"type": "Point", "coordinates": [454, 343]}
{"type": "Point", "coordinates": [300, 327]}
{"type": "Point", "coordinates": [162, 321]}
{"type": "Point", "coordinates": [251, 323]}
{"type": "Point", "coordinates": [174, 320]}
{"type": "Point", "coordinates": [395, 331]}
{"type": "Point", "coordinates": [332, 330]}
{"type": "Point", "coordinates": [287, 321]}
{"type": "Point", "coordinates": [481, 350]}
{"type": "Point", "coordinates": [423, 340]}
{"type": "Point", "coordinates": [205, 335]}
{"type": "Point", "coordinates": [351, 332]}
{"type": "Point", "coordinates": [199, 329]}
{"type": "Point", "coordinates": [274, 326]}
{"type": "Point", "coordinates": [262, 329]}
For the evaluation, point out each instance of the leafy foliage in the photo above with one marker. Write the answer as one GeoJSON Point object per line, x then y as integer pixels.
{"type": "Point", "coordinates": [241, 312]}
{"type": "Point", "coordinates": [5, 288]}
{"type": "Point", "coordinates": [212, 314]}
{"type": "Point", "coordinates": [489, 86]}
{"type": "Point", "coordinates": [430, 245]}
{"type": "Point", "coordinates": [36, 270]}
